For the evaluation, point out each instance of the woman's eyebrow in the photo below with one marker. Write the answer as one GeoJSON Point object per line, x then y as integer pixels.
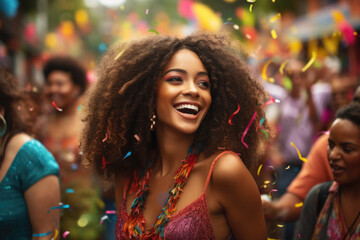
{"type": "Point", "coordinates": [184, 72]}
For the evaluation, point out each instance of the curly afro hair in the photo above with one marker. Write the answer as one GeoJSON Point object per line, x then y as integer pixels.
{"type": "Point", "coordinates": [122, 102]}
{"type": "Point", "coordinates": [69, 65]}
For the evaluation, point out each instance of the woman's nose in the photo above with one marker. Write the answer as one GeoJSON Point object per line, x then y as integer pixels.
{"type": "Point", "coordinates": [191, 89]}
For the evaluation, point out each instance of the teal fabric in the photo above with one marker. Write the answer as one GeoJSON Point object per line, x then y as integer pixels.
{"type": "Point", "coordinates": [31, 163]}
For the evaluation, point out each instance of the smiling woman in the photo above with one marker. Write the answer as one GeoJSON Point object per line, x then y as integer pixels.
{"type": "Point", "coordinates": [167, 101]}
{"type": "Point", "coordinates": [338, 218]}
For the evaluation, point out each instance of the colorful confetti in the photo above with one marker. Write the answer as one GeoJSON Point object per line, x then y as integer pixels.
{"type": "Point", "coordinates": [147, 11]}
{"type": "Point", "coordinates": [261, 121]}
{"type": "Point", "coordinates": [137, 137]}
{"type": "Point", "coordinates": [273, 34]}
{"type": "Point", "coordinates": [79, 107]}
{"type": "Point", "coordinates": [281, 69]}
{"type": "Point", "coordinates": [128, 154]}
{"type": "Point", "coordinates": [110, 212]}
{"type": "Point", "coordinates": [288, 167]}
{"type": "Point", "coordinates": [56, 234]}
{"type": "Point", "coordinates": [299, 204]}
{"type": "Point", "coordinates": [277, 16]}
{"type": "Point", "coordinates": [280, 225]}
{"type": "Point", "coordinates": [251, 1]}
{"type": "Point", "coordinates": [232, 115]}
{"type": "Point", "coordinates": [268, 102]}
{"type": "Point", "coordinates": [247, 128]}
{"type": "Point", "coordinates": [60, 207]}
{"type": "Point", "coordinates": [311, 61]}
{"type": "Point", "coordinates": [263, 72]}
{"type": "Point", "coordinates": [65, 234]}
{"type": "Point", "coordinates": [298, 152]}
{"type": "Point", "coordinates": [154, 31]}
{"type": "Point", "coordinates": [41, 234]}
{"type": "Point", "coordinates": [265, 133]}
{"type": "Point", "coordinates": [251, 7]}
{"type": "Point", "coordinates": [69, 190]}
{"type": "Point", "coordinates": [56, 107]}
{"type": "Point", "coordinates": [103, 218]}
{"type": "Point", "coordinates": [120, 53]}
{"type": "Point", "coordinates": [272, 190]}
{"type": "Point", "coordinates": [104, 162]}
{"type": "Point", "coordinates": [259, 169]}
{"type": "Point", "coordinates": [105, 137]}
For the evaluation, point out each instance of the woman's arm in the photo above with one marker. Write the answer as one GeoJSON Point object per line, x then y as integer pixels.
{"type": "Point", "coordinates": [239, 196]}
{"type": "Point", "coordinates": [40, 197]}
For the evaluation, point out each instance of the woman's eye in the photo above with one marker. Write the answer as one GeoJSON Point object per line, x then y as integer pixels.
{"type": "Point", "coordinates": [347, 150]}
{"type": "Point", "coordinates": [204, 84]}
{"type": "Point", "coordinates": [331, 145]}
{"type": "Point", "coordinates": [174, 79]}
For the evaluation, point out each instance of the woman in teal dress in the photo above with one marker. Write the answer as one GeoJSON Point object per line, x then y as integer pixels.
{"type": "Point", "coordinates": [29, 175]}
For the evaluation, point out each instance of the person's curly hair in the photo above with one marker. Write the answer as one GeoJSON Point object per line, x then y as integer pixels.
{"type": "Point", "coordinates": [69, 65]}
{"type": "Point", "coordinates": [122, 102]}
{"type": "Point", "coordinates": [14, 102]}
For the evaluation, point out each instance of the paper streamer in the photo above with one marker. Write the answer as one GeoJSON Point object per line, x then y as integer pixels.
{"type": "Point", "coordinates": [298, 152]}
{"type": "Point", "coordinates": [232, 115]}
{"type": "Point", "coordinates": [56, 107]}
{"type": "Point", "coordinates": [247, 129]}
{"type": "Point", "coordinates": [65, 234]}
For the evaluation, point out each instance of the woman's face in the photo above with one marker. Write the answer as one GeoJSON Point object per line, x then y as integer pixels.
{"type": "Point", "coordinates": [344, 151]}
{"type": "Point", "coordinates": [183, 94]}
{"type": "Point", "coordinates": [61, 89]}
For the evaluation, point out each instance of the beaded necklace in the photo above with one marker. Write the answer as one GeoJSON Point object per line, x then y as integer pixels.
{"type": "Point", "coordinates": [135, 224]}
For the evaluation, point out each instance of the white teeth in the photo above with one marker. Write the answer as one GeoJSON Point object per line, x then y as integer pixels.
{"type": "Point", "coordinates": [188, 106]}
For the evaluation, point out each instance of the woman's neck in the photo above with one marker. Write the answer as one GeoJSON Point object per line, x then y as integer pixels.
{"type": "Point", "coordinates": [172, 148]}
{"type": "Point", "coordinates": [351, 190]}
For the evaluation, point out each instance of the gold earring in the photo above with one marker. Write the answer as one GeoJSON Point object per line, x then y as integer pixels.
{"type": "Point", "coordinates": [152, 120]}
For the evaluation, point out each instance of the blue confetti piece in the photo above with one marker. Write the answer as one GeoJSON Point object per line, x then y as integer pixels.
{"type": "Point", "coordinates": [40, 234]}
{"type": "Point", "coordinates": [262, 121]}
{"type": "Point", "coordinates": [69, 190]}
{"type": "Point", "coordinates": [60, 207]}
{"type": "Point", "coordinates": [128, 154]}
{"type": "Point", "coordinates": [79, 107]}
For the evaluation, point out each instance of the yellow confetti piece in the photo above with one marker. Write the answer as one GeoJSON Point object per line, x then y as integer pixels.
{"type": "Point", "coordinates": [273, 239]}
{"type": "Point", "coordinates": [56, 234]}
{"type": "Point", "coordinates": [259, 169]}
{"type": "Point", "coordinates": [298, 152]}
{"type": "Point", "coordinates": [251, 6]}
{"type": "Point", "coordinates": [273, 34]}
{"type": "Point", "coordinates": [280, 225]}
{"type": "Point", "coordinates": [120, 53]}
{"type": "Point", "coordinates": [273, 1]}
{"type": "Point", "coordinates": [251, 1]}
{"type": "Point", "coordinates": [355, 33]}
{"type": "Point", "coordinates": [311, 61]}
{"type": "Point", "coordinates": [299, 204]}
{"type": "Point", "coordinates": [263, 72]}
{"type": "Point", "coordinates": [267, 182]}
{"type": "Point", "coordinates": [122, 7]}
{"type": "Point", "coordinates": [281, 69]}
{"type": "Point", "coordinates": [287, 167]}
{"type": "Point", "coordinates": [277, 16]}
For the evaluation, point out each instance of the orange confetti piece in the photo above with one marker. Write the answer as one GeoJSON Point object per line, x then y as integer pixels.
{"type": "Point", "coordinates": [298, 152]}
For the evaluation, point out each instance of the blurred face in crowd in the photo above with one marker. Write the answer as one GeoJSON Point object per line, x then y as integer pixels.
{"type": "Point", "coordinates": [357, 95]}
{"type": "Point", "coordinates": [344, 151]}
{"type": "Point", "coordinates": [342, 89]}
{"type": "Point", "coordinates": [61, 89]}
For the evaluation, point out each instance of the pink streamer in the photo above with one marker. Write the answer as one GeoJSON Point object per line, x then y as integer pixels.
{"type": "Point", "coordinates": [268, 102]}
{"type": "Point", "coordinates": [247, 129]}
{"type": "Point", "coordinates": [232, 115]}
{"type": "Point", "coordinates": [65, 234]}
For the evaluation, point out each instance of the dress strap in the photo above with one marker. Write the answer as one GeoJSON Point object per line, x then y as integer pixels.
{"type": "Point", "coordinates": [212, 167]}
